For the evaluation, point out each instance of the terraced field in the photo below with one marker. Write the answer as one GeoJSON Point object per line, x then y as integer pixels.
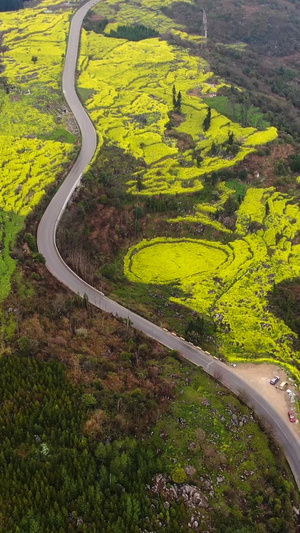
{"type": "Point", "coordinates": [132, 96]}
{"type": "Point", "coordinates": [31, 112]}
{"type": "Point", "coordinates": [130, 89]}
{"type": "Point", "coordinates": [230, 282]}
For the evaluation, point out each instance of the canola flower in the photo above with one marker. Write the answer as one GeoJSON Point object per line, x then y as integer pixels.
{"type": "Point", "coordinates": [231, 282]}
{"type": "Point", "coordinates": [28, 163]}
{"type": "Point", "coordinates": [43, 36]}
{"type": "Point", "coordinates": [147, 12]}
{"type": "Point", "coordinates": [131, 86]}
{"type": "Point", "coordinates": [132, 96]}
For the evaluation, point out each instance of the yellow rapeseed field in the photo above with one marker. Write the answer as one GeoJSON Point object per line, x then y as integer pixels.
{"type": "Point", "coordinates": [132, 84]}
{"type": "Point", "coordinates": [231, 282]}
{"type": "Point", "coordinates": [35, 40]}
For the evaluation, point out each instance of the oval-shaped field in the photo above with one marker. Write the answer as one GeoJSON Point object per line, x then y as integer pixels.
{"type": "Point", "coordinates": [170, 260]}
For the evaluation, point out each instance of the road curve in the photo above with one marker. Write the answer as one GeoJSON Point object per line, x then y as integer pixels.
{"type": "Point", "coordinates": [46, 240]}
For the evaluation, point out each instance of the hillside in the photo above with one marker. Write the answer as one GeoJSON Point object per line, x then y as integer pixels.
{"type": "Point", "coordinates": [188, 214]}
{"type": "Point", "coordinates": [199, 190]}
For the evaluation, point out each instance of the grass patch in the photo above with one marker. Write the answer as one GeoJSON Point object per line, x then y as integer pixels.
{"type": "Point", "coordinates": [63, 136]}
{"type": "Point", "coordinates": [213, 439]}
{"type": "Point", "coordinates": [238, 187]}
{"type": "Point", "coordinates": [133, 33]}
{"type": "Point", "coordinates": [85, 93]}
{"type": "Point", "coordinates": [238, 112]}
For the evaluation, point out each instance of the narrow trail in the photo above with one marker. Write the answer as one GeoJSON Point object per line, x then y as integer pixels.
{"type": "Point", "coordinates": [46, 241]}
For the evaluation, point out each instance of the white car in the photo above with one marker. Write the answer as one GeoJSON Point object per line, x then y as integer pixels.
{"type": "Point", "coordinates": [275, 380]}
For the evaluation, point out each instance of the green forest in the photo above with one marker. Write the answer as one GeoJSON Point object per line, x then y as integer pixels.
{"type": "Point", "coordinates": [56, 479]}
{"type": "Point", "coordinates": [11, 5]}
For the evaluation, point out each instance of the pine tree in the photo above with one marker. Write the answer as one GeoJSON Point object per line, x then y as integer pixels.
{"type": "Point", "coordinates": [207, 120]}
{"type": "Point", "coordinates": [178, 102]}
{"type": "Point", "coordinates": [214, 149]}
{"type": "Point", "coordinates": [230, 138]}
{"type": "Point", "coordinates": [174, 97]}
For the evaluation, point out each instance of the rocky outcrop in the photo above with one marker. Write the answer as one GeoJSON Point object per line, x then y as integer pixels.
{"type": "Point", "coordinates": [190, 494]}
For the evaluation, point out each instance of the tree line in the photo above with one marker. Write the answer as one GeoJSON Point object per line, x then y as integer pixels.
{"type": "Point", "coordinates": [11, 5]}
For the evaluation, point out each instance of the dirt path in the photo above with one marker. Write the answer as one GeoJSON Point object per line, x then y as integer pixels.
{"type": "Point", "coordinates": [259, 376]}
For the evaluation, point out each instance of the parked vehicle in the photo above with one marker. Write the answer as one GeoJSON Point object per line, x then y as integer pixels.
{"type": "Point", "coordinates": [283, 385]}
{"type": "Point", "coordinates": [292, 416]}
{"type": "Point", "coordinates": [274, 380]}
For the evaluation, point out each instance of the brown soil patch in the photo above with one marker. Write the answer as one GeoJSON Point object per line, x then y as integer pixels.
{"type": "Point", "coordinates": [259, 376]}
{"type": "Point", "coordinates": [176, 119]}
{"type": "Point", "coordinates": [199, 94]}
{"type": "Point", "coordinates": [184, 140]}
{"type": "Point", "coordinates": [265, 165]}
{"type": "Point", "coordinates": [195, 92]}
{"type": "Point", "coordinates": [94, 17]}
{"type": "Point", "coordinates": [294, 58]}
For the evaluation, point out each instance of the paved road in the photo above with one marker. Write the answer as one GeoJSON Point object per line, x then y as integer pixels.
{"type": "Point", "coordinates": [46, 239]}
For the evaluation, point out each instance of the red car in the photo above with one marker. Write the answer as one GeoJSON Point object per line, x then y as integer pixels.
{"type": "Point", "coordinates": [292, 416]}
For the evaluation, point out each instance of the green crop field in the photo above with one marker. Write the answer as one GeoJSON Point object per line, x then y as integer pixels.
{"type": "Point", "coordinates": [34, 41]}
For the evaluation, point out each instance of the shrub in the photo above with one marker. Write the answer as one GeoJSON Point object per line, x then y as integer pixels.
{"type": "Point", "coordinates": [30, 239]}
{"type": "Point", "coordinates": [179, 475]}
{"type": "Point", "coordinates": [88, 400]}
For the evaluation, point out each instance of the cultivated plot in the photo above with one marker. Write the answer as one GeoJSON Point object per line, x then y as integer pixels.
{"type": "Point", "coordinates": [32, 110]}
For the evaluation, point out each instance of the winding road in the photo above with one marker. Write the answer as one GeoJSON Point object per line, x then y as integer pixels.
{"type": "Point", "coordinates": [46, 240]}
